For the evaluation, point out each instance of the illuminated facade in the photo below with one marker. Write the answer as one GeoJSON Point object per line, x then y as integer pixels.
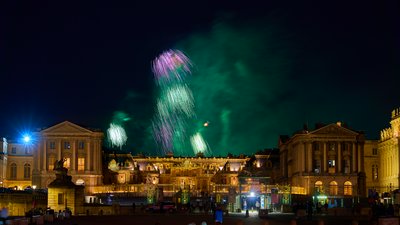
{"type": "Point", "coordinates": [81, 149]}
{"type": "Point", "coordinates": [197, 174]}
{"type": "Point", "coordinates": [225, 179]}
{"type": "Point", "coordinates": [371, 166]}
{"type": "Point", "coordinates": [16, 164]}
{"type": "Point", "coordinates": [327, 162]}
{"type": "Point", "coordinates": [389, 157]}
{"type": "Point", "coordinates": [331, 161]}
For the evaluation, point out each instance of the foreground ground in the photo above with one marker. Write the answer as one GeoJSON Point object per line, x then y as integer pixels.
{"type": "Point", "coordinates": [232, 219]}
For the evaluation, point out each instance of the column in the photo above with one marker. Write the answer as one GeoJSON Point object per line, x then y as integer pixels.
{"type": "Point", "coordinates": [40, 155]}
{"type": "Point", "coordinates": [73, 159]}
{"type": "Point", "coordinates": [353, 158]}
{"type": "Point", "coordinates": [361, 157]}
{"type": "Point", "coordinates": [44, 161]}
{"type": "Point", "coordinates": [303, 158]}
{"type": "Point", "coordinates": [309, 157]}
{"type": "Point", "coordinates": [94, 163]}
{"type": "Point", "coordinates": [59, 149]}
{"type": "Point", "coordinates": [100, 158]}
{"type": "Point", "coordinates": [98, 150]}
{"type": "Point", "coordinates": [87, 161]}
{"type": "Point", "coordinates": [324, 159]}
{"type": "Point", "coordinates": [339, 158]}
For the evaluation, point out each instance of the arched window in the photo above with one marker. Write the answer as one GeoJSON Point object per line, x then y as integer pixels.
{"type": "Point", "coordinates": [348, 188]}
{"type": "Point", "coordinates": [333, 188]}
{"type": "Point", "coordinates": [27, 171]}
{"type": "Point", "coordinates": [318, 186]}
{"type": "Point", "coordinates": [13, 174]}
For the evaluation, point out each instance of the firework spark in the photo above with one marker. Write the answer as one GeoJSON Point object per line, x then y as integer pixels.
{"type": "Point", "coordinates": [175, 105]}
{"type": "Point", "coordinates": [172, 66]}
{"type": "Point", "coordinates": [117, 135]}
{"type": "Point", "coordinates": [198, 143]}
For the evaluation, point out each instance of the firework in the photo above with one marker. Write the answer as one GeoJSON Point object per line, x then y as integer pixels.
{"type": "Point", "coordinates": [175, 104]}
{"type": "Point", "coordinates": [198, 143]}
{"type": "Point", "coordinates": [117, 135]}
{"type": "Point", "coordinates": [180, 99]}
{"type": "Point", "coordinates": [171, 66]}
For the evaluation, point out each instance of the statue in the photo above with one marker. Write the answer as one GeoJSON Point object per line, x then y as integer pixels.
{"type": "Point", "coordinates": [59, 164]}
{"type": "Point", "coordinates": [61, 173]}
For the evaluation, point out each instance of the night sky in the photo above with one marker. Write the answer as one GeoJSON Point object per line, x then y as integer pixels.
{"type": "Point", "coordinates": [260, 70]}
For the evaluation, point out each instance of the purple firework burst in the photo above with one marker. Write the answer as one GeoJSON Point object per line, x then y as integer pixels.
{"type": "Point", "coordinates": [171, 65]}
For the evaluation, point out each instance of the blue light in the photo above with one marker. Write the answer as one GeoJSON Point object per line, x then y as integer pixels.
{"type": "Point", "coordinates": [27, 138]}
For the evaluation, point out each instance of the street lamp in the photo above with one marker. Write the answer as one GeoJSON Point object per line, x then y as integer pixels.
{"type": "Point", "coordinates": [26, 138]}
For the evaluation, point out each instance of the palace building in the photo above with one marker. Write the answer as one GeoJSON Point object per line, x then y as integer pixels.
{"type": "Point", "coordinates": [327, 162]}
{"type": "Point", "coordinates": [388, 173]}
{"type": "Point", "coordinates": [331, 163]}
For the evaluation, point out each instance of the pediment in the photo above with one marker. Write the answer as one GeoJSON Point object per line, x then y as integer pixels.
{"type": "Point", "coordinates": [334, 130]}
{"type": "Point", "coordinates": [66, 127]}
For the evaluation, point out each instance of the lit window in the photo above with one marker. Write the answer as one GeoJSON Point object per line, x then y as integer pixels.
{"type": "Point", "coordinates": [81, 164]}
{"type": "Point", "coordinates": [52, 160]}
{"type": "Point", "coordinates": [67, 163]}
{"type": "Point", "coordinates": [331, 163]}
{"type": "Point", "coordinates": [27, 171]}
{"type": "Point", "coordinates": [52, 145]}
{"type": "Point", "coordinates": [348, 188]}
{"type": "Point", "coordinates": [318, 186]}
{"type": "Point", "coordinates": [375, 172]}
{"type": "Point", "coordinates": [13, 174]}
{"type": "Point", "coordinates": [333, 188]}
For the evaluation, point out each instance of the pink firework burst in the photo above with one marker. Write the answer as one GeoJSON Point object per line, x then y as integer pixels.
{"type": "Point", "coordinates": [171, 65]}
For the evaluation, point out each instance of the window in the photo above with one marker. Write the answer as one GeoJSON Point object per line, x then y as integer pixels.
{"type": "Point", "coordinates": [52, 145]}
{"type": "Point", "coordinates": [27, 150]}
{"type": "Point", "coordinates": [67, 145]}
{"type": "Point", "coordinates": [81, 145]}
{"type": "Point", "coordinates": [331, 163]}
{"type": "Point", "coordinates": [374, 151]}
{"type": "Point", "coordinates": [52, 160]}
{"type": "Point", "coordinates": [348, 188]}
{"type": "Point", "coordinates": [318, 186]}
{"type": "Point", "coordinates": [13, 174]}
{"type": "Point", "coordinates": [67, 163]}
{"type": "Point", "coordinates": [333, 188]}
{"type": "Point", "coordinates": [81, 164]}
{"type": "Point", "coordinates": [60, 198]}
{"type": "Point", "coordinates": [315, 146]}
{"type": "Point", "coordinates": [375, 172]}
{"type": "Point", "coordinates": [14, 150]}
{"type": "Point", "coordinates": [27, 171]}
{"type": "Point", "coordinates": [317, 166]}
